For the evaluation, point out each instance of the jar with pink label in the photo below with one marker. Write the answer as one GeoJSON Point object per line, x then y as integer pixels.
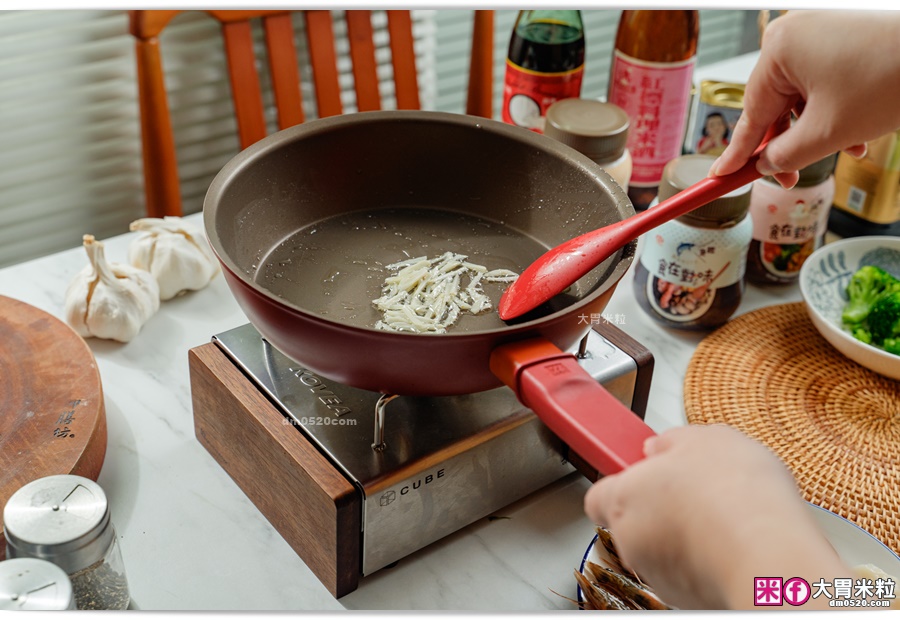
{"type": "Point", "coordinates": [788, 224]}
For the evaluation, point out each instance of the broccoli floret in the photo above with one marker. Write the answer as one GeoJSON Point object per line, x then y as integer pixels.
{"type": "Point", "coordinates": [892, 345]}
{"type": "Point", "coordinates": [865, 287]}
{"type": "Point", "coordinates": [861, 333]}
{"type": "Point", "coordinates": [884, 317]}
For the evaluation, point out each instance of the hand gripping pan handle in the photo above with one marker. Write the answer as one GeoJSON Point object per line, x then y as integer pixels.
{"type": "Point", "coordinates": [580, 411]}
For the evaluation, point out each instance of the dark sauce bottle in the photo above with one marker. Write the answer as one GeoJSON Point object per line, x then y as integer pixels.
{"type": "Point", "coordinates": [545, 63]}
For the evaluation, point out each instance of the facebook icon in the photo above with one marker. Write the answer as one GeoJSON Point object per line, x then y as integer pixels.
{"type": "Point", "coordinates": [796, 591]}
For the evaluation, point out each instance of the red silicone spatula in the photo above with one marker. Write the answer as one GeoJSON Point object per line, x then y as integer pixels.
{"type": "Point", "coordinates": [560, 267]}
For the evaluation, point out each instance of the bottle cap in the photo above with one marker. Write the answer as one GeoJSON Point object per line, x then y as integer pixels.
{"type": "Point", "coordinates": [594, 128]}
{"type": "Point", "coordinates": [29, 584]}
{"type": "Point", "coordinates": [63, 519]}
{"type": "Point", "coordinates": [682, 172]}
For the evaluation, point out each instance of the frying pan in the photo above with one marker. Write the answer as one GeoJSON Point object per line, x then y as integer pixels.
{"type": "Point", "coordinates": [289, 218]}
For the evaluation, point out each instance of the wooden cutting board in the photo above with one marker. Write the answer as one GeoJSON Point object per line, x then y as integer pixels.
{"type": "Point", "coordinates": [52, 418]}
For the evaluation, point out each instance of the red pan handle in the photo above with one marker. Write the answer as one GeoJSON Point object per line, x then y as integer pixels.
{"type": "Point", "coordinates": [572, 404]}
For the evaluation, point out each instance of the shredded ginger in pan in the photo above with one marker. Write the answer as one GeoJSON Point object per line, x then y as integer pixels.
{"type": "Point", "coordinates": [428, 295]}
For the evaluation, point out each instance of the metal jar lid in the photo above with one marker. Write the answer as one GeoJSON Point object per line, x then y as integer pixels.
{"type": "Point", "coordinates": [63, 519]}
{"type": "Point", "coordinates": [594, 128]}
{"type": "Point", "coordinates": [29, 584]}
{"type": "Point", "coordinates": [682, 172]}
{"type": "Point", "coordinates": [722, 94]}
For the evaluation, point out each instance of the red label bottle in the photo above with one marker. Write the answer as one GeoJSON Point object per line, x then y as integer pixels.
{"type": "Point", "coordinates": [650, 78]}
{"type": "Point", "coordinates": [545, 63]}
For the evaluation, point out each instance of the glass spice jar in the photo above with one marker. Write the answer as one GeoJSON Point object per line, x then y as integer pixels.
{"type": "Point", "coordinates": [65, 520]}
{"type": "Point", "coordinates": [596, 129]}
{"type": "Point", "coordinates": [789, 224]}
{"type": "Point", "coordinates": [690, 272]}
{"type": "Point", "coordinates": [29, 584]}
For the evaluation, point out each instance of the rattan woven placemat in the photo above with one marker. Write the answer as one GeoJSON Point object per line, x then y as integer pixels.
{"type": "Point", "coordinates": [835, 423]}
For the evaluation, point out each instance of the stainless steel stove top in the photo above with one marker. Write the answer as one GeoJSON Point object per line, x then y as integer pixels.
{"type": "Point", "coordinates": [444, 462]}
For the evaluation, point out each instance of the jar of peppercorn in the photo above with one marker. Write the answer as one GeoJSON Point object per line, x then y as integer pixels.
{"type": "Point", "coordinates": [64, 519]}
{"type": "Point", "coordinates": [690, 273]}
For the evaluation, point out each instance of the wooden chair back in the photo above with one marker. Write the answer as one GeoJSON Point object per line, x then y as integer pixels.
{"type": "Point", "coordinates": [161, 181]}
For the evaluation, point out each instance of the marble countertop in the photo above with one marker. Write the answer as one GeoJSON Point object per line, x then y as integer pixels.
{"type": "Point", "coordinates": [191, 539]}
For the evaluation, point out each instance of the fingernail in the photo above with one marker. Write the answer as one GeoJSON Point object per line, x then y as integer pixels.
{"type": "Point", "coordinates": [713, 169]}
{"type": "Point", "coordinates": [765, 168]}
{"type": "Point", "coordinates": [650, 445]}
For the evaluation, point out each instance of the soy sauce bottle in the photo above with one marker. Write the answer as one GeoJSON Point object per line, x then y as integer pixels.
{"type": "Point", "coordinates": [545, 63]}
{"type": "Point", "coordinates": [651, 78]}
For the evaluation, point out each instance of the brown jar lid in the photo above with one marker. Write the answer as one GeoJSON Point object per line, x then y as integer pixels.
{"type": "Point", "coordinates": [594, 128]}
{"type": "Point", "coordinates": [682, 172]}
{"type": "Point", "coordinates": [816, 173]}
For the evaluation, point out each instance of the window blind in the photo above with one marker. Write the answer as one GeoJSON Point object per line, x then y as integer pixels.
{"type": "Point", "coordinates": [69, 128]}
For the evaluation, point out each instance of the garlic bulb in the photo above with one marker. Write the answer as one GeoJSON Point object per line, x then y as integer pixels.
{"type": "Point", "coordinates": [110, 300]}
{"type": "Point", "coordinates": [175, 253]}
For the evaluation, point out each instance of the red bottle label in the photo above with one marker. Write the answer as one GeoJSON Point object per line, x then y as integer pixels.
{"type": "Point", "coordinates": [655, 96]}
{"type": "Point", "coordinates": [528, 94]}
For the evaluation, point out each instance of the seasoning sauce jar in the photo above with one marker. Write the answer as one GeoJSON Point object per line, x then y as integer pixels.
{"type": "Point", "coordinates": [65, 520]}
{"type": "Point", "coordinates": [29, 584]}
{"type": "Point", "coordinates": [690, 273]}
{"type": "Point", "coordinates": [788, 224]}
{"type": "Point", "coordinates": [596, 129]}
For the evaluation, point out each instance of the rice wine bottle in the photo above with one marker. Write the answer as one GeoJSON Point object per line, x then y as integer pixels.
{"type": "Point", "coordinates": [652, 68]}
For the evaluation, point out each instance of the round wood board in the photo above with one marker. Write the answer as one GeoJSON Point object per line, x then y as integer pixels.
{"type": "Point", "coordinates": [52, 418]}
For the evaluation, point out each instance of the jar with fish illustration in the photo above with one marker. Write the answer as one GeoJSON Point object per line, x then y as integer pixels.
{"type": "Point", "coordinates": [789, 224]}
{"type": "Point", "coordinates": [690, 273]}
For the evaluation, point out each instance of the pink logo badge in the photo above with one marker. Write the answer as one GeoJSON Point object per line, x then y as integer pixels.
{"type": "Point", "coordinates": [767, 591]}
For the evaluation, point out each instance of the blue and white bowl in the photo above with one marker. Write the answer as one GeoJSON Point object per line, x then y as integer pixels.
{"type": "Point", "coordinates": [823, 284]}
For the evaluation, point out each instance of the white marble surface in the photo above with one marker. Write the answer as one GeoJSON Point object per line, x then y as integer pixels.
{"type": "Point", "coordinates": [191, 539]}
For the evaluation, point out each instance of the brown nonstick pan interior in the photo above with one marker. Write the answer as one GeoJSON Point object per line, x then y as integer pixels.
{"type": "Point", "coordinates": [305, 222]}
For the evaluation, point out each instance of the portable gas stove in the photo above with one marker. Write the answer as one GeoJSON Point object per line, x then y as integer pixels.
{"type": "Point", "coordinates": [354, 480]}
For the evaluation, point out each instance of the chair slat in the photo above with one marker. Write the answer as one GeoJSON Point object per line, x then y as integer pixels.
{"type": "Point", "coordinates": [245, 88]}
{"type": "Point", "coordinates": [479, 99]}
{"type": "Point", "coordinates": [362, 53]}
{"type": "Point", "coordinates": [162, 191]}
{"type": "Point", "coordinates": [403, 58]}
{"type": "Point", "coordinates": [323, 58]}
{"type": "Point", "coordinates": [161, 181]}
{"type": "Point", "coordinates": [283, 67]}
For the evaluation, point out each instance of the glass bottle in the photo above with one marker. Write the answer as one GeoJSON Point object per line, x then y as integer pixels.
{"type": "Point", "coordinates": [789, 224]}
{"type": "Point", "coordinates": [690, 271]}
{"type": "Point", "coordinates": [596, 129]}
{"type": "Point", "coordinates": [545, 63]}
{"type": "Point", "coordinates": [651, 78]}
{"type": "Point", "coordinates": [65, 519]}
{"type": "Point", "coordinates": [867, 190]}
